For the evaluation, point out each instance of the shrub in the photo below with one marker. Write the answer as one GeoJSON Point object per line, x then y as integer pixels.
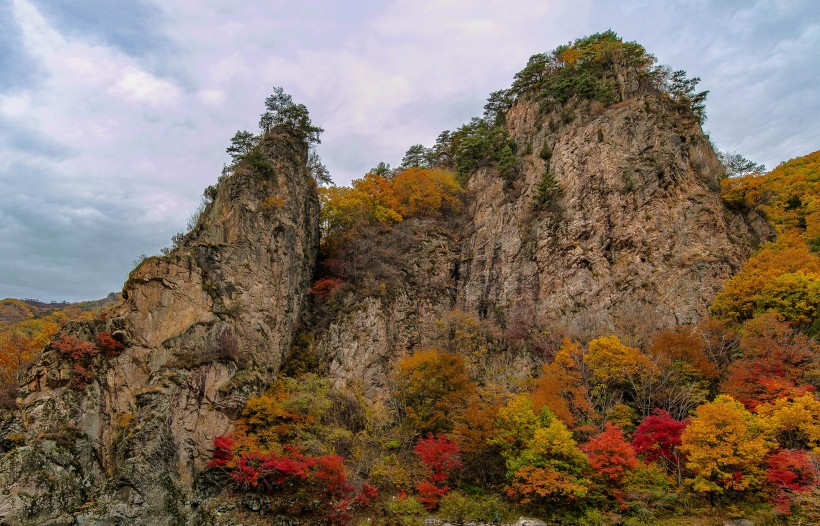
{"type": "Point", "coordinates": [462, 508]}
{"type": "Point", "coordinates": [547, 191]}
{"type": "Point", "coordinates": [407, 509]}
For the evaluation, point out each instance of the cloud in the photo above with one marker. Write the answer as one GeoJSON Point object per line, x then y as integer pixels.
{"type": "Point", "coordinates": [115, 116]}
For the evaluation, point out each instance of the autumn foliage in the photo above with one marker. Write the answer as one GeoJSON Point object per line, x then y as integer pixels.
{"type": "Point", "coordinates": [440, 457]}
{"type": "Point", "coordinates": [377, 199]}
{"type": "Point", "coordinates": [610, 455]}
{"type": "Point", "coordinates": [790, 472]}
{"type": "Point", "coordinates": [658, 438]}
{"type": "Point", "coordinates": [430, 387]}
{"type": "Point", "coordinates": [724, 447]}
{"type": "Point", "coordinates": [311, 478]}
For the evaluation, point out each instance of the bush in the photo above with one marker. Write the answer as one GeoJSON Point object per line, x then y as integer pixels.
{"type": "Point", "coordinates": [461, 508]}
{"type": "Point", "coordinates": [548, 191]}
{"type": "Point", "coordinates": [407, 510]}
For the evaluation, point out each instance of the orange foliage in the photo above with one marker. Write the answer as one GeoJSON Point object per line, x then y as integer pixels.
{"type": "Point", "coordinates": [375, 199]}
{"type": "Point", "coordinates": [325, 287]}
{"type": "Point", "coordinates": [432, 387]}
{"type": "Point", "coordinates": [783, 276]}
{"type": "Point", "coordinates": [561, 387]}
{"type": "Point", "coordinates": [476, 424]}
{"type": "Point", "coordinates": [684, 344]}
{"type": "Point", "coordinates": [21, 343]}
{"type": "Point", "coordinates": [424, 192]}
{"type": "Point", "coordinates": [774, 361]}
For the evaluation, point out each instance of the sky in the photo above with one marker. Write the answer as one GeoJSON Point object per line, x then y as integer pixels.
{"type": "Point", "coordinates": [115, 115]}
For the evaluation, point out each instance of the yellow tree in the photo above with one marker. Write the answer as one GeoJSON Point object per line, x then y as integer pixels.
{"type": "Point", "coordinates": [544, 463]}
{"type": "Point", "coordinates": [725, 446]}
{"type": "Point", "coordinates": [793, 422]}
{"type": "Point", "coordinates": [422, 191]}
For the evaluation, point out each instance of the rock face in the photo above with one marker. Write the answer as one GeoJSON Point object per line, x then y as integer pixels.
{"type": "Point", "coordinates": [206, 326]}
{"type": "Point", "coordinates": [640, 231]}
{"type": "Point", "coordinates": [638, 240]}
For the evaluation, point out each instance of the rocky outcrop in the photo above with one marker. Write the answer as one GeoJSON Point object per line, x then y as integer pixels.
{"type": "Point", "coordinates": [637, 240]}
{"type": "Point", "coordinates": [206, 326]}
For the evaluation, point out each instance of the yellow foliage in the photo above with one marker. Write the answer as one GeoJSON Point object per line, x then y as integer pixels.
{"type": "Point", "coordinates": [431, 386]}
{"type": "Point", "coordinates": [376, 199]}
{"type": "Point", "coordinates": [783, 276]}
{"type": "Point", "coordinates": [274, 202]}
{"type": "Point", "coordinates": [724, 446]}
{"type": "Point", "coordinates": [422, 191]}
{"type": "Point", "coordinates": [793, 422]}
{"type": "Point", "coordinates": [611, 362]}
{"type": "Point", "coordinates": [22, 342]}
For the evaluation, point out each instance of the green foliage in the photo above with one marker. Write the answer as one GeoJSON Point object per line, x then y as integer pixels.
{"type": "Point", "coordinates": [382, 170]}
{"type": "Point", "coordinates": [462, 508]}
{"type": "Point", "coordinates": [256, 161]}
{"type": "Point", "coordinates": [547, 191]}
{"type": "Point", "coordinates": [281, 111]}
{"type": "Point", "coordinates": [478, 144]}
{"type": "Point", "coordinates": [595, 68]}
{"type": "Point", "coordinates": [318, 170]}
{"type": "Point", "coordinates": [498, 103]}
{"type": "Point", "coordinates": [507, 163]}
{"type": "Point", "coordinates": [417, 156]}
{"type": "Point", "coordinates": [241, 145]}
{"type": "Point", "coordinates": [735, 165]}
{"type": "Point", "coordinates": [407, 510]}
{"type": "Point", "coordinates": [545, 152]}
{"type": "Point", "coordinates": [585, 69]}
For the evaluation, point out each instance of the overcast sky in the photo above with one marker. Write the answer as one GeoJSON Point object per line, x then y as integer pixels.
{"type": "Point", "coordinates": [115, 114]}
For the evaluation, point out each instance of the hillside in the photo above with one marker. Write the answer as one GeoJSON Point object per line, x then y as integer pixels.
{"type": "Point", "coordinates": [562, 309]}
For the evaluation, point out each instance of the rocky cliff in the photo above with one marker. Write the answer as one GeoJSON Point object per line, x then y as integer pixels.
{"type": "Point", "coordinates": [637, 240]}
{"type": "Point", "coordinates": [205, 326]}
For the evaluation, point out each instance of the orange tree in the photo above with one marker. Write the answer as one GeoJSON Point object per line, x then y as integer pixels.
{"type": "Point", "coordinates": [429, 389]}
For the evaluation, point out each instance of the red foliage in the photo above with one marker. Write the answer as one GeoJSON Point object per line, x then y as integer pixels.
{"type": "Point", "coordinates": [430, 494]}
{"type": "Point", "coordinates": [80, 353]}
{"type": "Point", "coordinates": [440, 456]}
{"type": "Point", "coordinates": [610, 455]}
{"type": "Point", "coordinates": [70, 346]}
{"type": "Point", "coordinates": [108, 344]}
{"type": "Point", "coordinates": [325, 287]}
{"type": "Point", "coordinates": [366, 495]}
{"type": "Point", "coordinates": [658, 436]}
{"type": "Point", "coordinates": [775, 358]}
{"type": "Point", "coordinates": [315, 478]}
{"type": "Point", "coordinates": [789, 472]}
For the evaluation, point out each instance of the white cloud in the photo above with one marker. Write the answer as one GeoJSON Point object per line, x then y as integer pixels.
{"type": "Point", "coordinates": [127, 143]}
